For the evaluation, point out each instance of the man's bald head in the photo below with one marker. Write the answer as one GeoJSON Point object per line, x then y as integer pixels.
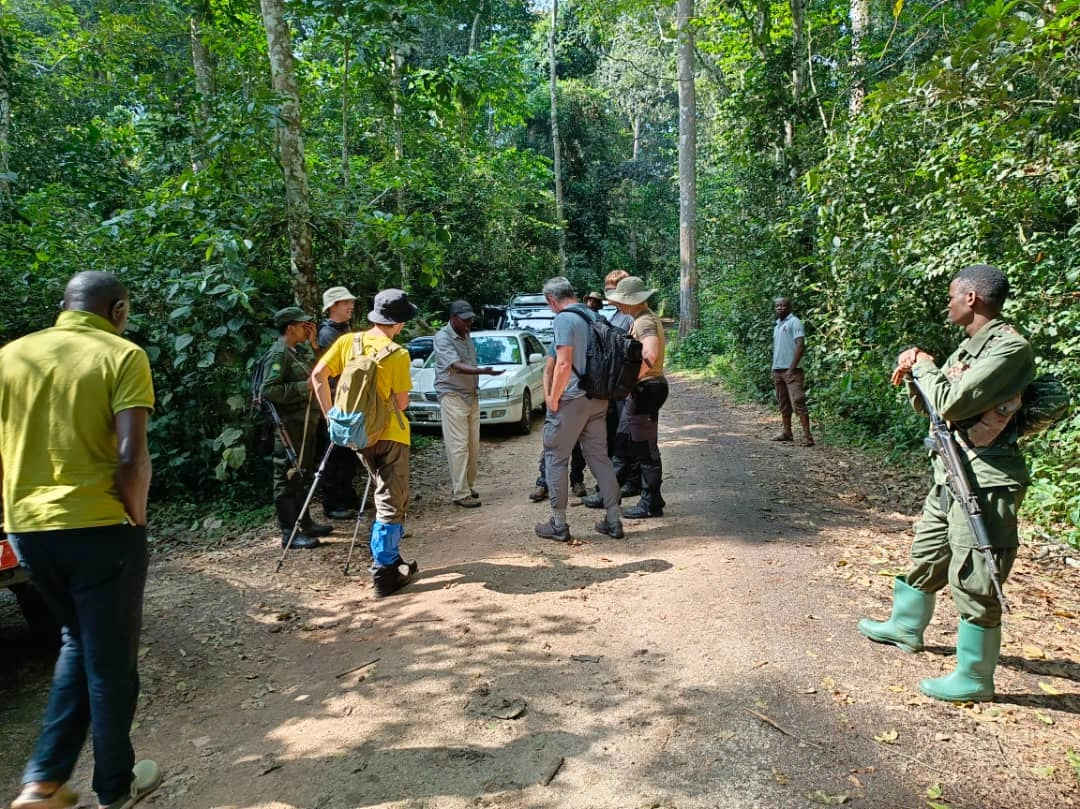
{"type": "Point", "coordinates": [100, 293]}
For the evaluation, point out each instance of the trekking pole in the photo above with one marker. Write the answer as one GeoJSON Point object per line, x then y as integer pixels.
{"type": "Point", "coordinates": [304, 508]}
{"type": "Point", "coordinates": [356, 528]}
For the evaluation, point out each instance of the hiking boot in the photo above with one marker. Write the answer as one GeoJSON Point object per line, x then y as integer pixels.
{"type": "Point", "coordinates": [467, 502]}
{"type": "Point", "coordinates": [629, 490]}
{"type": "Point", "coordinates": [642, 510]}
{"type": "Point", "coordinates": [315, 529]}
{"type": "Point", "coordinates": [145, 778]}
{"type": "Point", "coordinates": [340, 513]}
{"type": "Point", "coordinates": [578, 489]}
{"type": "Point", "coordinates": [299, 542]}
{"type": "Point", "coordinates": [538, 494]}
{"type": "Point", "coordinates": [388, 579]}
{"type": "Point", "coordinates": [612, 529]}
{"type": "Point", "coordinates": [548, 530]}
{"type": "Point", "coordinates": [593, 501]}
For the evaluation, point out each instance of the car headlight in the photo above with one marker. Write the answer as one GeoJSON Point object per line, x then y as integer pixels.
{"type": "Point", "coordinates": [415, 396]}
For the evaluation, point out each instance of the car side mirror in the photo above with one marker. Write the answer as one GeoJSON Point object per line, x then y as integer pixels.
{"type": "Point", "coordinates": [417, 363]}
{"type": "Point", "coordinates": [535, 358]}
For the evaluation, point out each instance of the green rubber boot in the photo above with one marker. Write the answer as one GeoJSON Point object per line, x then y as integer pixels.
{"type": "Point", "coordinates": [911, 611]}
{"type": "Point", "coordinates": [972, 680]}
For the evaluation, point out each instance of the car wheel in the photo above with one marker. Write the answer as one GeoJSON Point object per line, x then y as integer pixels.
{"type": "Point", "coordinates": [524, 425]}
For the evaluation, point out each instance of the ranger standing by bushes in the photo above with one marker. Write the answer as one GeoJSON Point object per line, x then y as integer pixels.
{"type": "Point", "coordinates": [285, 385]}
{"type": "Point", "coordinates": [977, 391]}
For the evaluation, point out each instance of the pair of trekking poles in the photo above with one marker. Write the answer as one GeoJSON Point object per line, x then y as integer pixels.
{"type": "Point", "coordinates": [294, 461]}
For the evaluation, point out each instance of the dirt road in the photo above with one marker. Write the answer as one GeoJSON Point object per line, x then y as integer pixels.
{"type": "Point", "coordinates": [710, 659]}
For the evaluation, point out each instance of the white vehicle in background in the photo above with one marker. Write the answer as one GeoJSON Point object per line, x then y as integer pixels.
{"type": "Point", "coordinates": [531, 312]}
{"type": "Point", "coordinates": [509, 398]}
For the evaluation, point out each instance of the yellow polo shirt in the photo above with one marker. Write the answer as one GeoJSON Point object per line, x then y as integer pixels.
{"type": "Point", "coordinates": [60, 389]}
{"type": "Point", "coordinates": [393, 375]}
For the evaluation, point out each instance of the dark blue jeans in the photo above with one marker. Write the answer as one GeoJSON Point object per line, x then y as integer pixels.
{"type": "Point", "coordinates": [93, 580]}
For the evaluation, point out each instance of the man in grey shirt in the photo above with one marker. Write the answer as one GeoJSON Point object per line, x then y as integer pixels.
{"type": "Point", "coordinates": [456, 381]}
{"type": "Point", "coordinates": [573, 417]}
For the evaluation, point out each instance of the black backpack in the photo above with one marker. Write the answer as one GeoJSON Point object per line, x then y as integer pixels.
{"type": "Point", "coordinates": [613, 360]}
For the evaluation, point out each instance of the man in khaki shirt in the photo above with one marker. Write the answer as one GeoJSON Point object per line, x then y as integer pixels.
{"type": "Point", "coordinates": [637, 435]}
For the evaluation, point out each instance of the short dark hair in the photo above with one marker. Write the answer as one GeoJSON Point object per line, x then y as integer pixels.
{"type": "Point", "coordinates": [94, 291]}
{"type": "Point", "coordinates": [986, 281]}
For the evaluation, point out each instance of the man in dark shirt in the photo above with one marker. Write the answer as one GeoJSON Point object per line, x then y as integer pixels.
{"type": "Point", "coordinates": [339, 494]}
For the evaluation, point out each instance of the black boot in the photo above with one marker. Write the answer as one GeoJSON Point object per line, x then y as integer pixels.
{"type": "Point", "coordinates": [314, 529]}
{"type": "Point", "coordinates": [388, 579]}
{"type": "Point", "coordinates": [287, 507]}
{"type": "Point", "coordinates": [651, 503]}
{"type": "Point", "coordinates": [642, 510]}
{"type": "Point", "coordinates": [300, 542]}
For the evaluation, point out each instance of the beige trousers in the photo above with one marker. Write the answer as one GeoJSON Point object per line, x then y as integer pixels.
{"type": "Point", "coordinates": [461, 435]}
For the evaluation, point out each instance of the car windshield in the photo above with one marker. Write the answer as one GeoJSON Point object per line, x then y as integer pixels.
{"type": "Point", "coordinates": [501, 350]}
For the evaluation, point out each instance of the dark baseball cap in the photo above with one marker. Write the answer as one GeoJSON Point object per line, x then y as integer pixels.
{"type": "Point", "coordinates": [462, 309]}
{"type": "Point", "coordinates": [392, 306]}
{"type": "Point", "coordinates": [291, 314]}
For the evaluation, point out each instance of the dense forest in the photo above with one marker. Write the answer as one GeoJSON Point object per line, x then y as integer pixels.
{"type": "Point", "coordinates": [229, 157]}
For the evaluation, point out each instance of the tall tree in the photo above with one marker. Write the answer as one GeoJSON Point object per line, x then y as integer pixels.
{"type": "Point", "coordinates": [860, 24]}
{"type": "Point", "coordinates": [556, 146]}
{"type": "Point", "coordinates": [688, 277]}
{"type": "Point", "coordinates": [203, 62]}
{"type": "Point", "coordinates": [291, 153]}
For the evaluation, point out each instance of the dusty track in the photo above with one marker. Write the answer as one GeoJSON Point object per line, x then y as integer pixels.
{"type": "Point", "coordinates": [708, 660]}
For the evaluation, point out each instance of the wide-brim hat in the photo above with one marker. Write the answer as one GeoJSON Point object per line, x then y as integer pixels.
{"type": "Point", "coordinates": [334, 295]}
{"type": "Point", "coordinates": [392, 306]}
{"type": "Point", "coordinates": [630, 290]}
{"type": "Point", "coordinates": [291, 314]}
{"type": "Point", "coordinates": [596, 296]}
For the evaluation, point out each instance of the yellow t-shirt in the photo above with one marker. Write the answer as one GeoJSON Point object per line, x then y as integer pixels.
{"type": "Point", "coordinates": [60, 390]}
{"type": "Point", "coordinates": [393, 375]}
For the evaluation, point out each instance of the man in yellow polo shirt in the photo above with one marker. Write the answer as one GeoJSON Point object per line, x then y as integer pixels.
{"type": "Point", "coordinates": [74, 405]}
{"type": "Point", "coordinates": [388, 458]}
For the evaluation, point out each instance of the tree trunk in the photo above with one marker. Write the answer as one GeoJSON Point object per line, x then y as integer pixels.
{"type": "Point", "coordinates": [5, 132]}
{"type": "Point", "coordinates": [798, 81]}
{"type": "Point", "coordinates": [291, 150]}
{"type": "Point", "coordinates": [204, 65]}
{"type": "Point", "coordinates": [397, 64]}
{"type": "Point", "coordinates": [556, 147]}
{"type": "Point", "coordinates": [860, 21]}
{"type": "Point", "coordinates": [345, 54]}
{"type": "Point", "coordinates": [688, 281]}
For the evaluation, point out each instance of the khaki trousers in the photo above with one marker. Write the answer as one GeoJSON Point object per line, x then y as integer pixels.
{"type": "Point", "coordinates": [461, 435]}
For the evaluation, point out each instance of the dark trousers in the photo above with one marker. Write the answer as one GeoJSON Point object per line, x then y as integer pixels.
{"type": "Point", "coordinates": [338, 489]}
{"type": "Point", "coordinates": [93, 581]}
{"type": "Point", "coordinates": [290, 489]}
{"type": "Point", "coordinates": [637, 440]}
{"type": "Point", "coordinates": [577, 467]}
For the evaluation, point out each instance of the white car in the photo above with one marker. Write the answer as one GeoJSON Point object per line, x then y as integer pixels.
{"type": "Point", "coordinates": [509, 398]}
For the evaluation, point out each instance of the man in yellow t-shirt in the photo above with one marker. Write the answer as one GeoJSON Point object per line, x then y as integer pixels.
{"type": "Point", "coordinates": [74, 404]}
{"type": "Point", "coordinates": [387, 460]}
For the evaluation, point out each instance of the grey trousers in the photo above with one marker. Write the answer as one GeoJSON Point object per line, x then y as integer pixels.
{"type": "Point", "coordinates": [577, 420]}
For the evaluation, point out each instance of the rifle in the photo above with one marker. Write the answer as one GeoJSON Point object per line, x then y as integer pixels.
{"type": "Point", "coordinates": [283, 434]}
{"type": "Point", "coordinates": [942, 442]}
{"type": "Point", "coordinates": [271, 412]}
